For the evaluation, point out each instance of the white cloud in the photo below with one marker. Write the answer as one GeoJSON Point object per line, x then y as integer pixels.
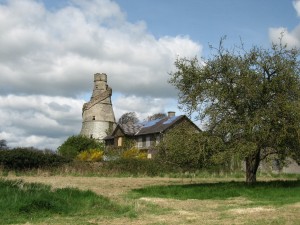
{"type": "Point", "coordinates": [46, 120]}
{"type": "Point", "coordinates": [60, 50]}
{"type": "Point", "coordinates": [291, 38]}
{"type": "Point", "coordinates": [144, 106]}
{"type": "Point", "coordinates": [296, 4]}
{"type": "Point", "coordinates": [48, 58]}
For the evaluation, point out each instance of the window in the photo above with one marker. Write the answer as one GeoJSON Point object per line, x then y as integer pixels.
{"type": "Point", "coordinates": [140, 142]}
{"type": "Point", "coordinates": [144, 141]}
{"type": "Point", "coordinates": [148, 141]}
{"type": "Point", "coordinates": [94, 117]}
{"type": "Point", "coordinates": [91, 136]}
{"type": "Point", "coordinates": [120, 141]}
{"type": "Point", "coordinates": [157, 139]}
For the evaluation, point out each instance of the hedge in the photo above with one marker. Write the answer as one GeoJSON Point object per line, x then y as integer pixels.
{"type": "Point", "coordinates": [28, 158]}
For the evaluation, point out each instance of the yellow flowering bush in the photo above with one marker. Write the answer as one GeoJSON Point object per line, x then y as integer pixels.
{"type": "Point", "coordinates": [90, 155]}
{"type": "Point", "coordinates": [134, 153]}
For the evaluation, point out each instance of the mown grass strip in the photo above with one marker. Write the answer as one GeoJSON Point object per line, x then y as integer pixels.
{"type": "Point", "coordinates": [261, 193]}
{"type": "Point", "coordinates": [22, 202]}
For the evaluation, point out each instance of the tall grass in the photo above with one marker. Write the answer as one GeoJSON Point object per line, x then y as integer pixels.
{"type": "Point", "coordinates": [22, 202]}
{"type": "Point", "coordinates": [261, 193]}
{"type": "Point", "coordinates": [134, 168]}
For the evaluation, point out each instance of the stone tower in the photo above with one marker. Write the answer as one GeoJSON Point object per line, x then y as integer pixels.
{"type": "Point", "coordinates": [97, 115]}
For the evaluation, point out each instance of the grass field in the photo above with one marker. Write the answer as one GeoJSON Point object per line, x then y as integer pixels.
{"type": "Point", "coordinates": [166, 201]}
{"type": "Point", "coordinates": [22, 202]}
{"type": "Point", "coordinates": [273, 193]}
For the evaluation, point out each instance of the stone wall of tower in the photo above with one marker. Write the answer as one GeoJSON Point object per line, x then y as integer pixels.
{"type": "Point", "coordinates": [97, 114]}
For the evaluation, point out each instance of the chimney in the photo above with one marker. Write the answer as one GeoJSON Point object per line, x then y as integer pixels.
{"type": "Point", "coordinates": [171, 114]}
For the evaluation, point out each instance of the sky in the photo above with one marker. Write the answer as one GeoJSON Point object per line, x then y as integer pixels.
{"type": "Point", "coordinates": [50, 50]}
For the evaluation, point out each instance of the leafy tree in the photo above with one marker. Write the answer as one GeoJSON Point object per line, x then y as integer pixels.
{"type": "Point", "coordinates": [76, 144]}
{"type": "Point", "coordinates": [129, 117]}
{"type": "Point", "coordinates": [249, 99]}
{"type": "Point", "coordinates": [157, 116]}
{"type": "Point", "coordinates": [187, 149]}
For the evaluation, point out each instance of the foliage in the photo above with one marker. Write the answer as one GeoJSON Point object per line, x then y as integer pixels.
{"type": "Point", "coordinates": [28, 158]}
{"type": "Point", "coordinates": [91, 155]}
{"type": "Point", "coordinates": [21, 202]}
{"type": "Point", "coordinates": [129, 117]}
{"type": "Point", "coordinates": [134, 153]}
{"type": "Point", "coordinates": [137, 167]}
{"type": "Point", "coordinates": [189, 149]}
{"type": "Point", "coordinates": [248, 99]}
{"type": "Point", "coordinates": [76, 144]}
{"type": "Point", "coordinates": [261, 193]}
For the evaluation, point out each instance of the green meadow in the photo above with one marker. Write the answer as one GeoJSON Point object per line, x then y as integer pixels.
{"type": "Point", "coordinates": [95, 200]}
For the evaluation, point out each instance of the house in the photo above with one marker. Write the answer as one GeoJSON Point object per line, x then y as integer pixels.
{"type": "Point", "coordinates": [146, 135]}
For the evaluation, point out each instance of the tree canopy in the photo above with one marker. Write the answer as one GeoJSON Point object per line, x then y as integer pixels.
{"type": "Point", "coordinates": [77, 144]}
{"type": "Point", "coordinates": [157, 116]}
{"type": "Point", "coordinates": [188, 149]}
{"type": "Point", "coordinates": [248, 98]}
{"type": "Point", "coordinates": [129, 117]}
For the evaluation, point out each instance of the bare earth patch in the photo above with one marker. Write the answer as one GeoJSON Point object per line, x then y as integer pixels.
{"type": "Point", "coordinates": [167, 211]}
{"type": "Point", "coordinates": [251, 210]}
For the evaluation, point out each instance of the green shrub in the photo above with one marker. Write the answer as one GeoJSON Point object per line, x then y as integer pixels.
{"type": "Point", "coordinates": [76, 144]}
{"type": "Point", "coordinates": [135, 167]}
{"type": "Point", "coordinates": [28, 158]}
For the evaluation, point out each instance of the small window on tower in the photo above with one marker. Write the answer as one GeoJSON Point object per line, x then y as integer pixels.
{"type": "Point", "coordinates": [96, 86]}
{"type": "Point", "coordinates": [94, 117]}
{"type": "Point", "coordinates": [91, 136]}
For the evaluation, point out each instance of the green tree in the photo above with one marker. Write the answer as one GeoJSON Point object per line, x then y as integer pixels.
{"type": "Point", "coordinates": [249, 99]}
{"type": "Point", "coordinates": [187, 149]}
{"type": "Point", "coordinates": [76, 144]}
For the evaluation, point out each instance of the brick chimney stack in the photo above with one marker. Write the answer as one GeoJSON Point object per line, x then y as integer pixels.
{"type": "Point", "coordinates": [171, 114]}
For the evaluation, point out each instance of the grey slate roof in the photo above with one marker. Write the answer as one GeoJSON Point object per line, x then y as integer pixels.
{"type": "Point", "coordinates": [158, 125]}
{"type": "Point", "coordinates": [149, 127]}
{"type": "Point", "coordinates": [130, 129]}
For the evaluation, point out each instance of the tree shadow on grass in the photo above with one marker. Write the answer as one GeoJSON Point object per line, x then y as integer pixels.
{"type": "Point", "coordinates": [271, 192]}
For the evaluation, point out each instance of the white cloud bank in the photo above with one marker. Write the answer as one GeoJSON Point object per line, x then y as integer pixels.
{"type": "Point", "coordinates": [291, 38]}
{"type": "Point", "coordinates": [38, 120]}
{"type": "Point", "coordinates": [48, 58]}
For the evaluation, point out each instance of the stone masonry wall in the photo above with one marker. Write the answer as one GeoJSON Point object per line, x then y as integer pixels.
{"type": "Point", "coordinates": [97, 114]}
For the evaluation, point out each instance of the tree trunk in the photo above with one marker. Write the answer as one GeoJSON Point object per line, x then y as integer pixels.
{"type": "Point", "coordinates": [252, 163]}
